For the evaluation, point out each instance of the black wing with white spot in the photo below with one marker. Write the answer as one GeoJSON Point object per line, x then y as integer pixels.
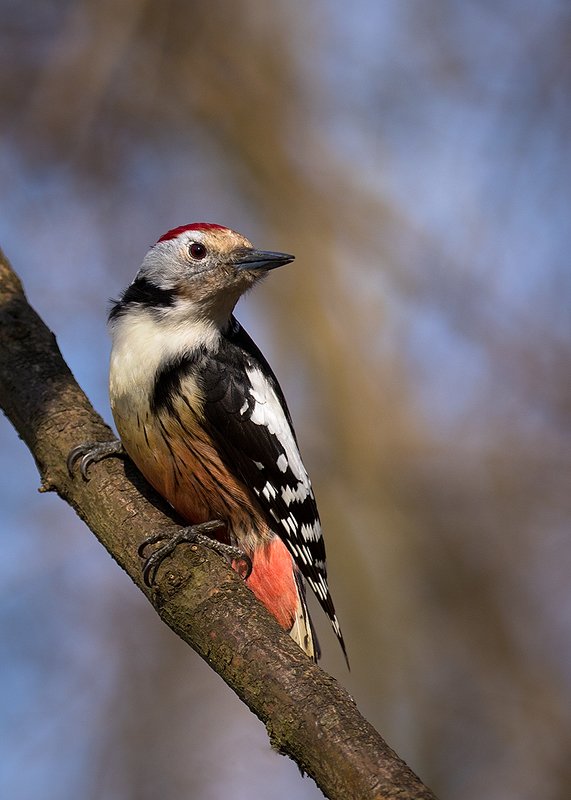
{"type": "Point", "coordinates": [247, 416]}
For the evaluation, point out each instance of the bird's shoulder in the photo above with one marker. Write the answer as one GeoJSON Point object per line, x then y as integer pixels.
{"type": "Point", "coordinates": [237, 373]}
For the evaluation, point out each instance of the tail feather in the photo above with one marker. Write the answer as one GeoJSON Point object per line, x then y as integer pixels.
{"type": "Point", "coordinates": [302, 630]}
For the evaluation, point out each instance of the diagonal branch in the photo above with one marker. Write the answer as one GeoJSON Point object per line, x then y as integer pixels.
{"type": "Point", "coordinates": [308, 715]}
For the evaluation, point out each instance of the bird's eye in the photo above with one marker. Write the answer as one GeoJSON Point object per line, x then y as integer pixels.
{"type": "Point", "coordinates": [197, 251]}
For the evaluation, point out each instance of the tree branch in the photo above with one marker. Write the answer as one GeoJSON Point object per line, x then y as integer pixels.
{"type": "Point", "coordinates": [308, 715]}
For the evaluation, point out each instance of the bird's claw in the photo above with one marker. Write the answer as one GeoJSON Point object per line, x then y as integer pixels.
{"type": "Point", "coordinates": [90, 453]}
{"type": "Point", "coordinates": [195, 534]}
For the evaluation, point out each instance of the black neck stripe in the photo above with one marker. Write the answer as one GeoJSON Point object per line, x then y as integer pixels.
{"type": "Point", "coordinates": [142, 293]}
{"type": "Point", "coordinates": [169, 378]}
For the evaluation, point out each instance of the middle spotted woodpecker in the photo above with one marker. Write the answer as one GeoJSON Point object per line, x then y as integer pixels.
{"type": "Point", "coordinates": [201, 414]}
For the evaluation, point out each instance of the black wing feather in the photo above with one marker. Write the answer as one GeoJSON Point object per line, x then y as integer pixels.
{"type": "Point", "coordinates": [252, 453]}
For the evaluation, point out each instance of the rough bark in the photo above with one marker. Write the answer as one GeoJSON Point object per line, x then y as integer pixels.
{"type": "Point", "coordinates": [308, 715]}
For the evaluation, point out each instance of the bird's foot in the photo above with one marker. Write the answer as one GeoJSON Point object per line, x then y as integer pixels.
{"type": "Point", "coordinates": [90, 453]}
{"type": "Point", "coordinates": [194, 534]}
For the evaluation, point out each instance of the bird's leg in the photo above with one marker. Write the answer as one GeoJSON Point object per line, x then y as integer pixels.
{"type": "Point", "coordinates": [90, 453]}
{"type": "Point", "coordinates": [194, 534]}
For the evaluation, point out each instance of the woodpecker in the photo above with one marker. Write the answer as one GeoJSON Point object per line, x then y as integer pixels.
{"type": "Point", "coordinates": [201, 414]}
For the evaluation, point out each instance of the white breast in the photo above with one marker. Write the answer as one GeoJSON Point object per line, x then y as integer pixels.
{"type": "Point", "coordinates": [143, 341]}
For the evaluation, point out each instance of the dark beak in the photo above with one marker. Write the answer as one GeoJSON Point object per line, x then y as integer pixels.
{"type": "Point", "coordinates": [261, 259]}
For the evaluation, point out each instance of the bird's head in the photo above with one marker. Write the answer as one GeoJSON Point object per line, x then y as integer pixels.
{"type": "Point", "coordinates": [203, 267]}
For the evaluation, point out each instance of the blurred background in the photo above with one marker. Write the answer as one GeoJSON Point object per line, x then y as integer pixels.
{"type": "Point", "coordinates": [415, 157]}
